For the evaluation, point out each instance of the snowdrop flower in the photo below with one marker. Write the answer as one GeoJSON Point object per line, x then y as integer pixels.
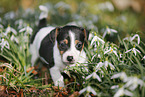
{"type": "Point", "coordinates": [143, 58]}
{"type": "Point", "coordinates": [91, 35]}
{"type": "Point", "coordinates": [98, 55]}
{"type": "Point", "coordinates": [133, 82]}
{"type": "Point", "coordinates": [111, 50]}
{"type": "Point", "coordinates": [94, 75]}
{"type": "Point", "coordinates": [136, 35]}
{"type": "Point", "coordinates": [20, 23]}
{"type": "Point", "coordinates": [122, 92]}
{"type": "Point", "coordinates": [132, 38]}
{"type": "Point", "coordinates": [120, 55]}
{"type": "Point", "coordinates": [100, 64]}
{"type": "Point", "coordinates": [62, 5]}
{"type": "Point", "coordinates": [134, 50]}
{"type": "Point", "coordinates": [28, 30]}
{"type": "Point", "coordinates": [97, 39]}
{"type": "Point", "coordinates": [114, 86]}
{"type": "Point", "coordinates": [109, 31]}
{"type": "Point", "coordinates": [44, 12]}
{"type": "Point", "coordinates": [106, 6]}
{"type": "Point", "coordinates": [121, 75]}
{"type": "Point", "coordinates": [10, 29]}
{"type": "Point", "coordinates": [3, 44]}
{"type": "Point", "coordinates": [13, 38]}
{"type": "Point", "coordinates": [10, 15]}
{"type": "Point", "coordinates": [106, 63]}
{"type": "Point", "coordinates": [88, 89]}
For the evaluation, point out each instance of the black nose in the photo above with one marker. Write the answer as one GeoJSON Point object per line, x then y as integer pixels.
{"type": "Point", "coordinates": [69, 58]}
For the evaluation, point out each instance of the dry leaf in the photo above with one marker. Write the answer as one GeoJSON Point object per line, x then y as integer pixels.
{"type": "Point", "coordinates": [34, 71]}
{"type": "Point", "coordinates": [75, 94]}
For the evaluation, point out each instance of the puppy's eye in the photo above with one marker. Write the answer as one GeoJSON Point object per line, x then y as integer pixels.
{"type": "Point", "coordinates": [79, 45]}
{"type": "Point", "coordinates": [62, 45]}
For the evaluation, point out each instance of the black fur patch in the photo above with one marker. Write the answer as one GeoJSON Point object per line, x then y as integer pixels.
{"type": "Point", "coordinates": [46, 48]}
{"type": "Point", "coordinates": [47, 44]}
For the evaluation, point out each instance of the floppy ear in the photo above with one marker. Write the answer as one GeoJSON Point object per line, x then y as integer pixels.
{"type": "Point", "coordinates": [56, 32]}
{"type": "Point", "coordinates": [86, 34]}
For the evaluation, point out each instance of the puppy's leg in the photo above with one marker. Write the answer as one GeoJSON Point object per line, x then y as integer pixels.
{"type": "Point", "coordinates": [56, 76]}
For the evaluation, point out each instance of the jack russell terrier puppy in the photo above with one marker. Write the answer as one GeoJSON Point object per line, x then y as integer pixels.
{"type": "Point", "coordinates": [58, 47]}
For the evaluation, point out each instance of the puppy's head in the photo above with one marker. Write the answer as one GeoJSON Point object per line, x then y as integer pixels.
{"type": "Point", "coordinates": [70, 42]}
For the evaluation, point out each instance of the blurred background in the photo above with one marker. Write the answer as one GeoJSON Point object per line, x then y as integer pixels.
{"type": "Point", "coordinates": [125, 16]}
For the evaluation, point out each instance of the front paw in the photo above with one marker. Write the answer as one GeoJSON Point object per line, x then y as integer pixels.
{"type": "Point", "coordinates": [59, 82]}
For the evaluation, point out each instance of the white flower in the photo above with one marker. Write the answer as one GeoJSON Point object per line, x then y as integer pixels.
{"type": "Point", "coordinates": [98, 56]}
{"type": "Point", "coordinates": [132, 38]}
{"type": "Point", "coordinates": [121, 75]}
{"type": "Point", "coordinates": [10, 15]}
{"type": "Point", "coordinates": [13, 38]}
{"type": "Point", "coordinates": [134, 50]}
{"type": "Point", "coordinates": [122, 92]}
{"type": "Point", "coordinates": [120, 55]}
{"type": "Point", "coordinates": [88, 89]}
{"type": "Point", "coordinates": [115, 86]}
{"type": "Point", "coordinates": [91, 35]}
{"type": "Point", "coordinates": [20, 23]}
{"type": "Point", "coordinates": [133, 82]}
{"type": "Point", "coordinates": [10, 29]}
{"type": "Point", "coordinates": [100, 64]}
{"type": "Point", "coordinates": [106, 63]}
{"type": "Point", "coordinates": [94, 75]}
{"type": "Point", "coordinates": [44, 12]}
{"type": "Point", "coordinates": [143, 58]}
{"type": "Point", "coordinates": [109, 31]}
{"type": "Point", "coordinates": [111, 50]}
{"type": "Point", "coordinates": [62, 5]}
{"type": "Point", "coordinates": [28, 30]}
{"type": "Point", "coordinates": [3, 44]}
{"type": "Point", "coordinates": [97, 39]}
{"type": "Point", "coordinates": [106, 6]}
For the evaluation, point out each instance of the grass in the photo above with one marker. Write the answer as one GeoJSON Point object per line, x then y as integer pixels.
{"type": "Point", "coordinates": [113, 68]}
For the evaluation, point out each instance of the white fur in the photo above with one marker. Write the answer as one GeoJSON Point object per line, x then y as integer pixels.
{"type": "Point", "coordinates": [59, 66]}
{"type": "Point", "coordinates": [57, 57]}
{"type": "Point", "coordinates": [73, 51]}
{"type": "Point", "coordinates": [58, 60]}
{"type": "Point", "coordinates": [34, 47]}
{"type": "Point", "coordinates": [56, 76]}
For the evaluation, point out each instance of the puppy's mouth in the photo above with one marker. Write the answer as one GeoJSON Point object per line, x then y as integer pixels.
{"type": "Point", "coordinates": [69, 63]}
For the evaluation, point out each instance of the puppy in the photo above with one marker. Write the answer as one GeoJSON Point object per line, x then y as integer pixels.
{"type": "Point", "coordinates": [58, 47]}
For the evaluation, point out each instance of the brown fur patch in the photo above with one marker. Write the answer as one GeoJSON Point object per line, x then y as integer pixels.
{"type": "Point", "coordinates": [77, 41]}
{"type": "Point", "coordinates": [85, 33]}
{"type": "Point", "coordinates": [82, 46]}
{"type": "Point", "coordinates": [61, 52]}
{"type": "Point", "coordinates": [56, 33]}
{"type": "Point", "coordinates": [65, 41]}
